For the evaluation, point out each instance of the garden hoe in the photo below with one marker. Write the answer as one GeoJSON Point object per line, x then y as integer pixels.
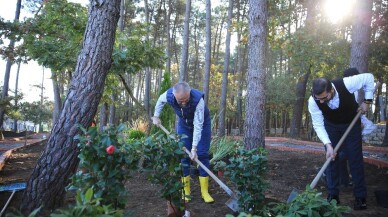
{"type": "Point", "coordinates": [11, 187]}
{"type": "Point", "coordinates": [232, 203]}
{"type": "Point", "coordinates": [294, 193]}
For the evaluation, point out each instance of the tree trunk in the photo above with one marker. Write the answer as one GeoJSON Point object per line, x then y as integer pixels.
{"type": "Point", "coordinates": [41, 99]}
{"type": "Point", "coordinates": [4, 93]}
{"type": "Point", "coordinates": [168, 45]}
{"type": "Point", "coordinates": [112, 110]}
{"type": "Point", "coordinates": [224, 86]}
{"type": "Point", "coordinates": [378, 92]}
{"type": "Point", "coordinates": [302, 81]}
{"type": "Point", "coordinates": [173, 35]}
{"type": "Point", "coordinates": [46, 186]}
{"type": "Point", "coordinates": [215, 43]}
{"type": "Point", "coordinates": [147, 91]}
{"type": "Point", "coordinates": [103, 116]}
{"type": "Point", "coordinates": [15, 122]}
{"type": "Point", "coordinates": [185, 45]}
{"type": "Point", "coordinates": [254, 130]}
{"type": "Point", "coordinates": [385, 140]}
{"type": "Point", "coordinates": [361, 31]}
{"type": "Point", "coordinates": [57, 100]}
{"type": "Point", "coordinates": [208, 48]}
{"type": "Point", "coordinates": [196, 58]}
{"type": "Point", "coordinates": [217, 52]}
{"type": "Point", "coordinates": [240, 78]}
{"type": "Point", "coordinates": [299, 105]}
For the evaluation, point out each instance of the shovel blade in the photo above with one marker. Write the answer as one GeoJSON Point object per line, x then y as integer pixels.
{"type": "Point", "coordinates": [232, 203]}
{"type": "Point", "coordinates": [292, 196]}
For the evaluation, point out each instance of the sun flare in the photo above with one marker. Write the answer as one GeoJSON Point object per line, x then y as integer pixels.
{"type": "Point", "coordinates": [337, 10]}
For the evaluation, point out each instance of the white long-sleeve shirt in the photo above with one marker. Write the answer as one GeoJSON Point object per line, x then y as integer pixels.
{"type": "Point", "coordinates": [199, 115]}
{"type": "Point", "coordinates": [353, 84]}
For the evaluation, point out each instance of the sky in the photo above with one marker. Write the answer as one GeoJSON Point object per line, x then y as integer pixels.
{"type": "Point", "coordinates": [30, 74]}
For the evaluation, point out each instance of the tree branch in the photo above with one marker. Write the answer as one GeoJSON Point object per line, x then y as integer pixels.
{"type": "Point", "coordinates": [129, 91]}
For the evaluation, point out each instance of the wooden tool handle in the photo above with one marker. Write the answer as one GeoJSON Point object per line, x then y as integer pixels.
{"type": "Point", "coordinates": [211, 174]}
{"type": "Point", "coordinates": [328, 160]}
{"type": "Point", "coordinates": [223, 186]}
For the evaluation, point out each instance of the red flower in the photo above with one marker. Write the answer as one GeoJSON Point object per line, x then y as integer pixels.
{"type": "Point", "coordinates": [110, 149]}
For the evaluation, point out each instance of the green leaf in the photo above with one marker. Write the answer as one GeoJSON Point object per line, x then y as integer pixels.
{"type": "Point", "coordinates": [89, 195]}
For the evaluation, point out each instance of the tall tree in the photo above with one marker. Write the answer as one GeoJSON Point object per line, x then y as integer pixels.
{"type": "Point", "coordinates": [305, 67]}
{"type": "Point", "coordinates": [41, 98]}
{"type": "Point", "coordinates": [361, 30]}
{"type": "Point", "coordinates": [224, 86]}
{"type": "Point", "coordinates": [103, 116]}
{"type": "Point", "coordinates": [147, 91]}
{"type": "Point", "coordinates": [240, 78]}
{"type": "Point", "coordinates": [46, 186]}
{"type": "Point", "coordinates": [185, 45]}
{"type": "Point", "coordinates": [15, 122]}
{"type": "Point", "coordinates": [10, 60]}
{"type": "Point", "coordinates": [254, 130]}
{"type": "Point", "coordinates": [54, 40]}
{"type": "Point", "coordinates": [112, 107]}
{"type": "Point", "coordinates": [57, 99]}
{"type": "Point", "coordinates": [168, 45]}
{"type": "Point", "coordinates": [208, 48]}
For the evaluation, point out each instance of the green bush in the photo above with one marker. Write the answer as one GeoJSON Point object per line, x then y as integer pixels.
{"type": "Point", "coordinates": [246, 170]}
{"type": "Point", "coordinates": [105, 164]}
{"type": "Point", "coordinates": [136, 134]}
{"type": "Point", "coordinates": [309, 203]}
{"type": "Point", "coordinates": [167, 117]}
{"type": "Point", "coordinates": [88, 206]}
{"type": "Point", "coordinates": [164, 156]}
{"type": "Point", "coordinates": [85, 205]}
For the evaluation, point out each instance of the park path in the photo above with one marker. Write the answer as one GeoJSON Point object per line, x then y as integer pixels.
{"type": "Point", "coordinates": [7, 146]}
{"type": "Point", "coordinates": [372, 154]}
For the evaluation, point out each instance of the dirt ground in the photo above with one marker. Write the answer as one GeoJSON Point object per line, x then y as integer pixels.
{"type": "Point", "coordinates": [286, 170]}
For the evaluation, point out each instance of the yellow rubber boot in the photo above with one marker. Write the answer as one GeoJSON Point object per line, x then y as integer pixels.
{"type": "Point", "coordinates": [204, 183]}
{"type": "Point", "coordinates": [186, 188]}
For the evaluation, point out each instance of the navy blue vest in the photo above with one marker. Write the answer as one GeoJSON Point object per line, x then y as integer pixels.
{"type": "Point", "coordinates": [186, 114]}
{"type": "Point", "coordinates": [347, 109]}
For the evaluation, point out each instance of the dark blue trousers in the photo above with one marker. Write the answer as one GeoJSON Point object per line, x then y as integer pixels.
{"type": "Point", "coordinates": [352, 148]}
{"type": "Point", "coordinates": [344, 172]}
{"type": "Point", "coordinates": [202, 148]}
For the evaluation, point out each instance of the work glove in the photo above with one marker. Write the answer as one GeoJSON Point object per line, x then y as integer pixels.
{"type": "Point", "coordinates": [329, 151]}
{"type": "Point", "coordinates": [363, 107]}
{"type": "Point", "coordinates": [194, 153]}
{"type": "Point", "coordinates": [156, 120]}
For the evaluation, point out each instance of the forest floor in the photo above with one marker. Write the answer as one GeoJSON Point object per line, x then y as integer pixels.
{"type": "Point", "coordinates": [287, 170]}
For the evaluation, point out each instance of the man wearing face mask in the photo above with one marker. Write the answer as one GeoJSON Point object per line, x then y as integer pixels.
{"type": "Point", "coordinates": [332, 107]}
{"type": "Point", "coordinates": [194, 122]}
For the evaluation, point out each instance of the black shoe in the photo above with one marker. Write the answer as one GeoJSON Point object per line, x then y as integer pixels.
{"type": "Point", "coordinates": [360, 204]}
{"type": "Point", "coordinates": [333, 197]}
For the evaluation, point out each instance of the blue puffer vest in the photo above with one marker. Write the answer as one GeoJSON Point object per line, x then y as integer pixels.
{"type": "Point", "coordinates": [186, 114]}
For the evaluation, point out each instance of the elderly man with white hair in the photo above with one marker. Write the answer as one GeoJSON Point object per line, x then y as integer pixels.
{"type": "Point", "coordinates": [195, 123]}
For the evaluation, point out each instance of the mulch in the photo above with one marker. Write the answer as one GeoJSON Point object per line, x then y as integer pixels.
{"type": "Point", "coordinates": [286, 170]}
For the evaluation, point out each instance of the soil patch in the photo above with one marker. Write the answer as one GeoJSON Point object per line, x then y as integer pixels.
{"type": "Point", "coordinates": [286, 170]}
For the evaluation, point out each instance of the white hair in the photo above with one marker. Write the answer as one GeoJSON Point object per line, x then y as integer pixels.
{"type": "Point", "coordinates": [181, 87]}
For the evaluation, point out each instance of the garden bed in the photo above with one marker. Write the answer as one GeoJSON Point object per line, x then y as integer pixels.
{"type": "Point", "coordinates": [286, 170]}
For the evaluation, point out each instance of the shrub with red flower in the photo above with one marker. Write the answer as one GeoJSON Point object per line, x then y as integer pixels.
{"type": "Point", "coordinates": [110, 149]}
{"type": "Point", "coordinates": [106, 163]}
